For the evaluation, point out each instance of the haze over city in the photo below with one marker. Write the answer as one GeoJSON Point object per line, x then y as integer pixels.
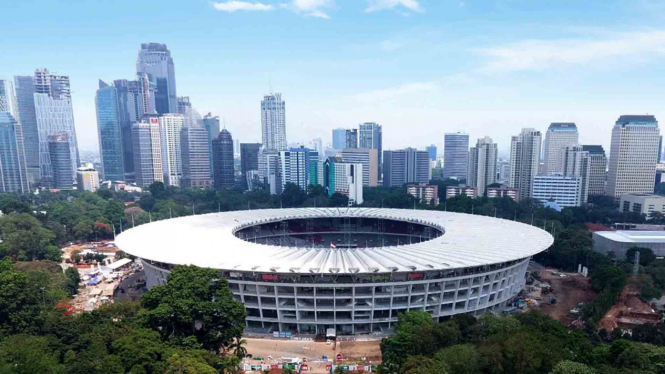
{"type": "Point", "coordinates": [419, 68]}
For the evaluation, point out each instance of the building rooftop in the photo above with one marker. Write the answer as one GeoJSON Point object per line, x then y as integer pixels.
{"type": "Point", "coordinates": [644, 195]}
{"type": "Point", "coordinates": [594, 149]}
{"type": "Point", "coordinates": [636, 118]}
{"type": "Point", "coordinates": [562, 126]}
{"type": "Point", "coordinates": [209, 241]}
{"type": "Point", "coordinates": [633, 236]}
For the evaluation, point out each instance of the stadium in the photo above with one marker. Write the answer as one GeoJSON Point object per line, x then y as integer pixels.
{"type": "Point", "coordinates": [352, 269]}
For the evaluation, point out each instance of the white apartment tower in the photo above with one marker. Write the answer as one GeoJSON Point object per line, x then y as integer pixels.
{"type": "Point", "coordinates": [575, 162]}
{"type": "Point", "coordinates": [524, 160]}
{"type": "Point", "coordinates": [147, 152]}
{"type": "Point", "coordinates": [633, 155]}
{"type": "Point", "coordinates": [169, 129]}
{"type": "Point", "coordinates": [482, 165]}
{"type": "Point", "coordinates": [273, 122]}
{"type": "Point", "coordinates": [558, 136]}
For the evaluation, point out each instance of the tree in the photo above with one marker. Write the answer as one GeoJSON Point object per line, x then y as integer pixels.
{"type": "Point", "coordinates": [147, 203]}
{"type": "Point", "coordinates": [183, 364]}
{"type": "Point", "coordinates": [53, 253]}
{"type": "Point", "coordinates": [73, 280]}
{"type": "Point", "coordinates": [194, 307]}
{"type": "Point", "coordinates": [140, 348]}
{"type": "Point", "coordinates": [608, 278]}
{"type": "Point", "coordinates": [158, 190]}
{"type": "Point", "coordinates": [424, 365]}
{"type": "Point", "coordinates": [460, 359]}
{"type": "Point", "coordinates": [646, 255]}
{"type": "Point", "coordinates": [570, 367]}
{"type": "Point", "coordinates": [24, 237]}
{"type": "Point", "coordinates": [19, 302]}
{"type": "Point", "coordinates": [292, 195]}
{"type": "Point", "coordinates": [238, 347]}
{"type": "Point", "coordinates": [24, 354]}
{"type": "Point", "coordinates": [338, 200]}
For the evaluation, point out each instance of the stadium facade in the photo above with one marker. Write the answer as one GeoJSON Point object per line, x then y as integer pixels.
{"type": "Point", "coordinates": [306, 270]}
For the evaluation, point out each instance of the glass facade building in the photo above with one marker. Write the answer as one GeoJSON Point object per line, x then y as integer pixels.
{"type": "Point", "coordinates": [156, 62]}
{"type": "Point", "coordinates": [455, 155]}
{"type": "Point", "coordinates": [110, 132]}
{"type": "Point", "coordinates": [13, 172]}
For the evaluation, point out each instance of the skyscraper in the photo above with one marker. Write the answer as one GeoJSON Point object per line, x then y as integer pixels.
{"type": "Point", "coordinates": [455, 155]}
{"type": "Point", "coordinates": [13, 172]}
{"type": "Point", "coordinates": [249, 159]}
{"type": "Point", "coordinates": [195, 157]}
{"type": "Point", "coordinates": [371, 136]}
{"type": "Point", "coordinates": [633, 154]}
{"type": "Point", "coordinates": [54, 114]}
{"type": "Point", "coordinates": [558, 136]}
{"type": "Point", "coordinates": [211, 124]}
{"type": "Point", "coordinates": [597, 169]}
{"type": "Point", "coordinates": [351, 140]}
{"type": "Point", "coordinates": [368, 158]}
{"type": "Point", "coordinates": [405, 166]}
{"type": "Point", "coordinates": [317, 145]}
{"type": "Point", "coordinates": [339, 138]}
{"type": "Point", "coordinates": [155, 60]}
{"type": "Point", "coordinates": [136, 99]}
{"type": "Point", "coordinates": [25, 98]}
{"type": "Point", "coordinates": [169, 128]}
{"type": "Point", "coordinates": [575, 162]}
{"type": "Point", "coordinates": [273, 122]}
{"type": "Point", "coordinates": [60, 161]}
{"type": "Point", "coordinates": [147, 152]}
{"type": "Point", "coordinates": [344, 178]}
{"type": "Point", "coordinates": [524, 160]}
{"type": "Point", "coordinates": [482, 165]}
{"type": "Point", "coordinates": [431, 150]}
{"type": "Point", "coordinates": [299, 166]}
{"type": "Point", "coordinates": [189, 114]}
{"type": "Point", "coordinates": [222, 158]}
{"type": "Point", "coordinates": [109, 130]}
{"type": "Point", "coordinates": [269, 170]}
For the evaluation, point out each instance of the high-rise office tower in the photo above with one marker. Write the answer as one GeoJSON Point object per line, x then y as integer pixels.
{"type": "Point", "coordinates": [155, 60]}
{"type": "Point", "coordinates": [558, 136]}
{"type": "Point", "coordinates": [184, 105]}
{"type": "Point", "coordinates": [455, 155]}
{"type": "Point", "coordinates": [299, 166]}
{"type": "Point", "coordinates": [195, 157]}
{"type": "Point", "coordinates": [249, 159]}
{"type": "Point", "coordinates": [13, 172]}
{"type": "Point", "coordinates": [222, 159]}
{"type": "Point", "coordinates": [189, 114]}
{"type": "Point", "coordinates": [60, 161]}
{"type": "Point", "coordinates": [660, 149]}
{"type": "Point", "coordinates": [109, 130]}
{"type": "Point", "coordinates": [136, 99]}
{"type": "Point", "coordinates": [8, 98]}
{"type": "Point", "coordinates": [269, 170]}
{"type": "Point", "coordinates": [147, 152]}
{"type": "Point", "coordinates": [370, 136]}
{"type": "Point", "coordinates": [351, 140]}
{"type": "Point", "coordinates": [431, 150]}
{"type": "Point", "coordinates": [576, 162]}
{"type": "Point", "coordinates": [633, 155]}
{"type": "Point", "coordinates": [273, 122]}
{"type": "Point", "coordinates": [597, 169]}
{"type": "Point", "coordinates": [482, 165]}
{"type": "Point", "coordinates": [54, 115]}
{"type": "Point", "coordinates": [524, 161]}
{"type": "Point", "coordinates": [169, 128]}
{"type": "Point", "coordinates": [339, 138]}
{"type": "Point", "coordinates": [405, 166]}
{"type": "Point", "coordinates": [344, 178]}
{"type": "Point", "coordinates": [368, 158]}
{"type": "Point", "coordinates": [317, 145]}
{"type": "Point", "coordinates": [211, 124]}
{"type": "Point", "coordinates": [25, 98]}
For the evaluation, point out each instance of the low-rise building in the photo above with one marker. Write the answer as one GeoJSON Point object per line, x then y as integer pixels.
{"type": "Point", "coordinates": [462, 189]}
{"type": "Point", "coordinates": [618, 242]}
{"type": "Point", "coordinates": [427, 193]}
{"type": "Point", "coordinates": [502, 191]}
{"type": "Point", "coordinates": [642, 203]}
{"type": "Point", "coordinates": [566, 191]}
{"type": "Point", "coordinates": [87, 179]}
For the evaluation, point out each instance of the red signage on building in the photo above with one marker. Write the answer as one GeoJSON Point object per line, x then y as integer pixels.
{"type": "Point", "coordinates": [415, 275]}
{"type": "Point", "coordinates": [269, 277]}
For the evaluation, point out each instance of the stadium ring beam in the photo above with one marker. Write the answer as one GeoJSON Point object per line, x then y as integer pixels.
{"type": "Point", "coordinates": [304, 270]}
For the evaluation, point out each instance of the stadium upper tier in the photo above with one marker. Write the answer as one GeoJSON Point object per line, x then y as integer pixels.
{"type": "Point", "coordinates": [334, 241]}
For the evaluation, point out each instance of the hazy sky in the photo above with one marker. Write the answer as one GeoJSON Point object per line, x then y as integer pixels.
{"type": "Point", "coordinates": [420, 68]}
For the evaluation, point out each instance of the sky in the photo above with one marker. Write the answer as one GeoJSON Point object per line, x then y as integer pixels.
{"type": "Point", "coordinates": [420, 68]}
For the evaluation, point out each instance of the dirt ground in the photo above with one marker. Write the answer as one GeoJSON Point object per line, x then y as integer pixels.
{"type": "Point", "coordinates": [569, 291]}
{"type": "Point", "coordinates": [352, 351]}
{"type": "Point", "coordinates": [628, 302]}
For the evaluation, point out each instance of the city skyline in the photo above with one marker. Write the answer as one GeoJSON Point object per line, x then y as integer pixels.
{"type": "Point", "coordinates": [369, 74]}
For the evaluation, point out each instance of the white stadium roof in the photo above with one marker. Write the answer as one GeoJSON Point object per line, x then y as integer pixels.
{"type": "Point", "coordinates": [208, 240]}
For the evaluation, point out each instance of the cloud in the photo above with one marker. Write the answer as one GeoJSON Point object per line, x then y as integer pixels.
{"type": "Point", "coordinates": [536, 55]}
{"type": "Point", "coordinates": [234, 5]}
{"type": "Point", "coordinates": [391, 93]}
{"type": "Point", "coordinates": [375, 5]}
{"type": "Point", "coordinates": [311, 8]}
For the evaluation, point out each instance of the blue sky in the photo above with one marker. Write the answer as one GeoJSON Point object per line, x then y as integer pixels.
{"type": "Point", "coordinates": [419, 67]}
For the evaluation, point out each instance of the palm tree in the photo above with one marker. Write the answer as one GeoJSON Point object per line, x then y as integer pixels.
{"type": "Point", "coordinates": [238, 347]}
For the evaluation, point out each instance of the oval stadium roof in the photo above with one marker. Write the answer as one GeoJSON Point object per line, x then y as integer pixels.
{"type": "Point", "coordinates": [208, 240]}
